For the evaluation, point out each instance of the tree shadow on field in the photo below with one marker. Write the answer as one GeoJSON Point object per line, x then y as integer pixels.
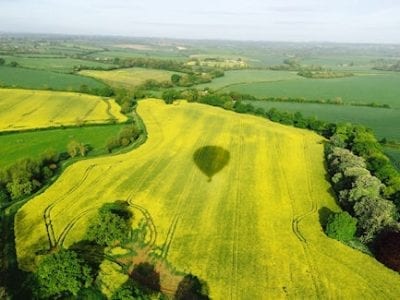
{"type": "Point", "coordinates": [324, 214]}
{"type": "Point", "coordinates": [211, 160]}
{"type": "Point", "coordinates": [91, 253]}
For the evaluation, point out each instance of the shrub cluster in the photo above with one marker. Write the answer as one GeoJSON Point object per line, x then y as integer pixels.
{"type": "Point", "coordinates": [26, 176]}
{"type": "Point", "coordinates": [125, 137]}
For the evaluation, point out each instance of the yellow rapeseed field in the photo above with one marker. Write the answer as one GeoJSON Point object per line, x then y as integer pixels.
{"type": "Point", "coordinates": [128, 78]}
{"type": "Point", "coordinates": [29, 109]}
{"type": "Point", "coordinates": [235, 199]}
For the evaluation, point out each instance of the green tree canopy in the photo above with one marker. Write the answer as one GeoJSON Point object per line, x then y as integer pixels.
{"type": "Point", "coordinates": [110, 226]}
{"type": "Point", "coordinates": [341, 226]}
{"type": "Point", "coordinates": [62, 273]}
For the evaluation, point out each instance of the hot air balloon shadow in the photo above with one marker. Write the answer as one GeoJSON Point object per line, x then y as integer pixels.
{"type": "Point", "coordinates": [211, 160]}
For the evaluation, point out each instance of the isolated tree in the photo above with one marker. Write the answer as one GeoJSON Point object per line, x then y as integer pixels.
{"type": "Point", "coordinates": [74, 148]}
{"type": "Point", "coordinates": [341, 226]}
{"type": "Point", "coordinates": [111, 226]}
{"type": "Point", "coordinates": [4, 197]}
{"type": "Point", "coordinates": [62, 274]}
{"type": "Point", "coordinates": [175, 78]}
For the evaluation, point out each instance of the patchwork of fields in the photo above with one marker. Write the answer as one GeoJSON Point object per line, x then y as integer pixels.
{"type": "Point", "coordinates": [381, 88]}
{"type": "Point", "coordinates": [29, 109]}
{"type": "Point", "coordinates": [245, 217]}
{"type": "Point", "coordinates": [384, 121]}
{"type": "Point", "coordinates": [129, 78]}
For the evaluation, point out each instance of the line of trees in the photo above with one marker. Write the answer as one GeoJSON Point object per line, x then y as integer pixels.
{"type": "Point", "coordinates": [360, 193]}
{"type": "Point", "coordinates": [387, 65]}
{"type": "Point", "coordinates": [323, 74]}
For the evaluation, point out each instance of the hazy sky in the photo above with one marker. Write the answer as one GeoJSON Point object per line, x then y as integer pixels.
{"type": "Point", "coordinates": [282, 20]}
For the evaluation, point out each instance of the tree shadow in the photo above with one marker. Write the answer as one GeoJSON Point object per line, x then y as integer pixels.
{"type": "Point", "coordinates": [211, 159]}
{"type": "Point", "coordinates": [324, 214]}
{"type": "Point", "coordinates": [191, 287]}
{"type": "Point", "coordinates": [91, 252]}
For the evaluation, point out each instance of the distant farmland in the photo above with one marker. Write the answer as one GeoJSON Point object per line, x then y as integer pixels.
{"type": "Point", "coordinates": [129, 78]}
{"type": "Point", "coordinates": [58, 64]}
{"type": "Point", "coordinates": [381, 88]}
{"type": "Point", "coordinates": [29, 109]}
{"type": "Point", "coordinates": [239, 205]}
{"type": "Point", "coordinates": [384, 121]}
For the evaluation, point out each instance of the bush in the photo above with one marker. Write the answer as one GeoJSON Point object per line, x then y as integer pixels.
{"type": "Point", "coordinates": [341, 226]}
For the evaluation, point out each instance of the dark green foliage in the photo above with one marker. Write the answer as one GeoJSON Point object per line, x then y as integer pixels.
{"type": "Point", "coordinates": [13, 64]}
{"type": "Point", "coordinates": [170, 95]}
{"type": "Point", "coordinates": [126, 136]}
{"type": "Point", "coordinates": [62, 274]}
{"type": "Point", "coordinates": [191, 288]}
{"type": "Point", "coordinates": [91, 293]}
{"type": "Point", "coordinates": [175, 78]}
{"type": "Point", "coordinates": [2, 61]}
{"type": "Point", "coordinates": [147, 277]}
{"type": "Point", "coordinates": [130, 291]}
{"type": "Point", "coordinates": [111, 226]}
{"type": "Point", "coordinates": [91, 252]}
{"type": "Point", "coordinates": [26, 176]}
{"type": "Point", "coordinates": [341, 226]}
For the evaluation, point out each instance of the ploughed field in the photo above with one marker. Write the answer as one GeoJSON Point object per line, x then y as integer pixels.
{"type": "Point", "coordinates": [29, 109]}
{"type": "Point", "coordinates": [234, 199]}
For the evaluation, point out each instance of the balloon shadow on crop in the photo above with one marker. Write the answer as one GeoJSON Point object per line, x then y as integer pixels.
{"type": "Point", "coordinates": [211, 160]}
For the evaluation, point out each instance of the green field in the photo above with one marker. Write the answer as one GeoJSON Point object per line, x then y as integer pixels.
{"type": "Point", "coordinates": [58, 64]}
{"type": "Point", "coordinates": [129, 78]}
{"type": "Point", "coordinates": [15, 146]}
{"type": "Point", "coordinates": [385, 122]}
{"type": "Point", "coordinates": [382, 88]}
{"type": "Point", "coordinates": [41, 79]}
{"type": "Point", "coordinates": [238, 206]}
{"type": "Point", "coordinates": [236, 77]}
{"type": "Point", "coordinates": [394, 154]}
